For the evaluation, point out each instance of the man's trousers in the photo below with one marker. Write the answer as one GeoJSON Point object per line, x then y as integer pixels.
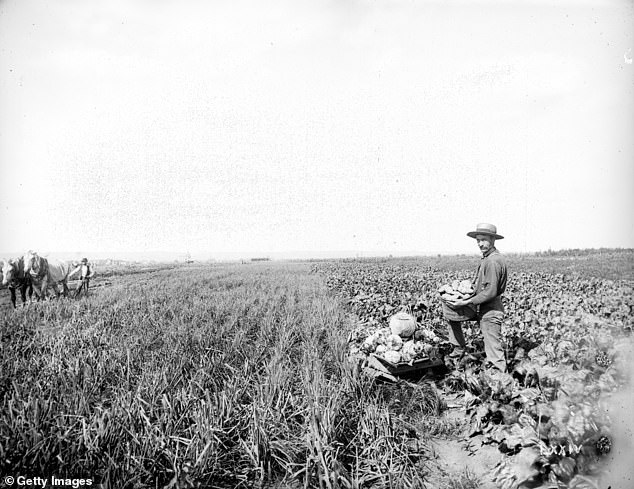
{"type": "Point", "coordinates": [83, 285]}
{"type": "Point", "coordinates": [491, 327]}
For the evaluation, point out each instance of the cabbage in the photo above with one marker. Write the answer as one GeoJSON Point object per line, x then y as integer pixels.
{"type": "Point", "coordinates": [407, 352]}
{"type": "Point", "coordinates": [392, 356]}
{"type": "Point", "coordinates": [419, 348]}
{"type": "Point", "coordinates": [370, 344]}
{"type": "Point", "coordinates": [394, 342]}
{"type": "Point", "coordinates": [414, 349]}
{"type": "Point", "coordinates": [402, 324]}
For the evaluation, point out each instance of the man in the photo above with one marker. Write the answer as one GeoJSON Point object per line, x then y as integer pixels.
{"type": "Point", "coordinates": [490, 284]}
{"type": "Point", "coordinates": [86, 274]}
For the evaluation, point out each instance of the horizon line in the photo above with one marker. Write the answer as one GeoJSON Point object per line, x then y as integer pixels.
{"type": "Point", "coordinates": [158, 255]}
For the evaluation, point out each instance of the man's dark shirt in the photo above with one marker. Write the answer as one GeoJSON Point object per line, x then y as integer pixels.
{"type": "Point", "coordinates": [490, 282]}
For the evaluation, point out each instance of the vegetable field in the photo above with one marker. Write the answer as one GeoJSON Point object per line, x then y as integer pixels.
{"type": "Point", "coordinates": [230, 375]}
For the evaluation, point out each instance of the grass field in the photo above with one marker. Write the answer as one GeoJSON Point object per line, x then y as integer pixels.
{"type": "Point", "coordinates": [224, 375]}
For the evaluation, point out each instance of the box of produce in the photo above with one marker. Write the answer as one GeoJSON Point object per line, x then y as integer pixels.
{"type": "Point", "coordinates": [404, 347]}
{"type": "Point", "coordinates": [402, 367]}
{"type": "Point", "coordinates": [457, 290]}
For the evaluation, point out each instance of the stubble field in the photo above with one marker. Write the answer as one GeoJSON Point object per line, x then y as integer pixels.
{"type": "Point", "coordinates": [230, 375]}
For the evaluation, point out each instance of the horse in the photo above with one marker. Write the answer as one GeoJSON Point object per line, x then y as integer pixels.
{"type": "Point", "coordinates": [14, 276]}
{"type": "Point", "coordinates": [46, 273]}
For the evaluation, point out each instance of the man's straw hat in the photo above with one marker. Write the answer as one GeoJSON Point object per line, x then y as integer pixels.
{"type": "Point", "coordinates": [487, 229]}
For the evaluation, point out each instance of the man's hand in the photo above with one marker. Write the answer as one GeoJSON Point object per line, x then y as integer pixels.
{"type": "Point", "coordinates": [457, 302]}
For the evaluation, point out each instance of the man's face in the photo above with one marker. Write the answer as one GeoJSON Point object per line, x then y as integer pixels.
{"type": "Point", "coordinates": [485, 242]}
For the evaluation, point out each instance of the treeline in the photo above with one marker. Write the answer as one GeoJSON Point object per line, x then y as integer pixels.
{"type": "Point", "coordinates": [582, 251]}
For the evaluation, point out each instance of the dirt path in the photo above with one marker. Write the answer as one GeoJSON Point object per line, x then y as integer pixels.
{"type": "Point", "coordinates": [464, 459]}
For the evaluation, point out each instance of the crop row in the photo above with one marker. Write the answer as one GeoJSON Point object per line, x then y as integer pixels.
{"type": "Point", "coordinates": [210, 376]}
{"type": "Point", "coordinates": [567, 345]}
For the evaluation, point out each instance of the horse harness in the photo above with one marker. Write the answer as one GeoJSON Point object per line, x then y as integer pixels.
{"type": "Point", "coordinates": [42, 271]}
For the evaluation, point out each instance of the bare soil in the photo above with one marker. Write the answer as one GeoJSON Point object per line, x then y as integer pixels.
{"type": "Point", "coordinates": [463, 459]}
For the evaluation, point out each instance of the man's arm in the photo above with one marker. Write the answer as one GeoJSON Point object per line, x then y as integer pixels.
{"type": "Point", "coordinates": [77, 269]}
{"type": "Point", "coordinates": [491, 274]}
{"type": "Point", "coordinates": [490, 281]}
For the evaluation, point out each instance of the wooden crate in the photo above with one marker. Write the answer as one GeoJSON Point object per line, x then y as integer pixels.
{"type": "Point", "coordinates": [378, 366]}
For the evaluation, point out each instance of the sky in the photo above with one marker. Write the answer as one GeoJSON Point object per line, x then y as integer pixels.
{"type": "Point", "coordinates": [305, 128]}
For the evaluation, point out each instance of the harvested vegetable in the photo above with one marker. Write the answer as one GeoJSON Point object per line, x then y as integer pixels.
{"type": "Point", "coordinates": [403, 324]}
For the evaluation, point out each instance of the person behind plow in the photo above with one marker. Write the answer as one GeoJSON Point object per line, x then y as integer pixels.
{"type": "Point", "coordinates": [489, 285]}
{"type": "Point", "coordinates": [86, 274]}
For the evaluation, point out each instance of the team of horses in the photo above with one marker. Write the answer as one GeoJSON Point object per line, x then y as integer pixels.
{"type": "Point", "coordinates": [34, 272]}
